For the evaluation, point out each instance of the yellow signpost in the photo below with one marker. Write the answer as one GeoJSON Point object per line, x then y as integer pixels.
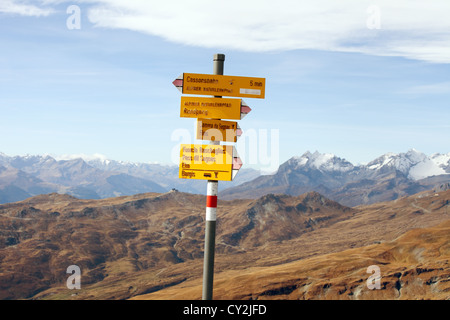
{"type": "Point", "coordinates": [219, 85]}
{"type": "Point", "coordinates": [211, 108]}
{"type": "Point", "coordinates": [217, 130]}
{"type": "Point", "coordinates": [214, 162]}
{"type": "Point", "coordinates": [206, 162]}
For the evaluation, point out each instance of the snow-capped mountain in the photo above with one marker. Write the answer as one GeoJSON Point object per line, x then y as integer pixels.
{"type": "Point", "coordinates": [414, 164]}
{"type": "Point", "coordinates": [385, 178]}
{"type": "Point", "coordinates": [322, 161]}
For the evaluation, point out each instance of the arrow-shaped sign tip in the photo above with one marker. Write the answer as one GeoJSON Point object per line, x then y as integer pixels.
{"type": "Point", "coordinates": [237, 162]}
{"type": "Point", "coordinates": [245, 109]}
{"type": "Point", "coordinates": [178, 82]}
{"type": "Point", "coordinates": [238, 131]}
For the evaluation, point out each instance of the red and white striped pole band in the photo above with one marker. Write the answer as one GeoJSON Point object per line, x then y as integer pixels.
{"type": "Point", "coordinates": [211, 200]}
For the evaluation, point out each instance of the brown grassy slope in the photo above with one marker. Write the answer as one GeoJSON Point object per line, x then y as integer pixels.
{"type": "Point", "coordinates": [129, 246]}
{"type": "Point", "coordinates": [108, 239]}
{"type": "Point", "coordinates": [376, 223]}
{"type": "Point", "coordinates": [414, 266]}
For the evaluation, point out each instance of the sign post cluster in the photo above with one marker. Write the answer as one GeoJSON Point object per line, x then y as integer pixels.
{"type": "Point", "coordinates": [214, 162]}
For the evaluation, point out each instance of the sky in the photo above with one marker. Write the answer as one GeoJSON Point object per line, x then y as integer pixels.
{"type": "Point", "coordinates": [354, 78]}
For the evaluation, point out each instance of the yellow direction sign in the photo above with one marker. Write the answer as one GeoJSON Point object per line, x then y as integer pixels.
{"type": "Point", "coordinates": [212, 108]}
{"type": "Point", "coordinates": [206, 162]}
{"type": "Point", "coordinates": [217, 130]}
{"type": "Point", "coordinates": [218, 85]}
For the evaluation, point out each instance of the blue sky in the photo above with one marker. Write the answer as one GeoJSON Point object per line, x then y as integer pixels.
{"type": "Point", "coordinates": [336, 81]}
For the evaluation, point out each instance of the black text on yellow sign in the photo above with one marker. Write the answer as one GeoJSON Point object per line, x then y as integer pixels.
{"type": "Point", "coordinates": [219, 85]}
{"type": "Point", "coordinates": [216, 130]}
{"type": "Point", "coordinates": [211, 108]}
{"type": "Point", "coordinates": [206, 162]}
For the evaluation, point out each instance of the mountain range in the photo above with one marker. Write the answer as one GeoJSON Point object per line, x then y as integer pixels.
{"type": "Point", "coordinates": [94, 178]}
{"type": "Point", "coordinates": [388, 177]}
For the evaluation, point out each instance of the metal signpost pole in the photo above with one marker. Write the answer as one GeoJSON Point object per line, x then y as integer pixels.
{"type": "Point", "coordinates": [211, 207]}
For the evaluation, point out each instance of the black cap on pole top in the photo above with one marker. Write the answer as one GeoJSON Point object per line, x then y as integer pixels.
{"type": "Point", "coordinates": [219, 57]}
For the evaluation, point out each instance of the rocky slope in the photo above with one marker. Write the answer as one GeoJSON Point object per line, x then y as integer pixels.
{"type": "Point", "coordinates": [414, 266]}
{"type": "Point", "coordinates": [134, 245]}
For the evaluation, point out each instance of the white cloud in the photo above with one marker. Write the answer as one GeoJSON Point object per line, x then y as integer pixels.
{"type": "Point", "coordinates": [23, 8]}
{"type": "Point", "coordinates": [244, 25]}
{"type": "Point", "coordinates": [414, 29]}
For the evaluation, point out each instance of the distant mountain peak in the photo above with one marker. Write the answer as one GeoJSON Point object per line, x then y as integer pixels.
{"type": "Point", "coordinates": [322, 161]}
{"type": "Point", "coordinates": [87, 158]}
{"type": "Point", "coordinates": [414, 164]}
